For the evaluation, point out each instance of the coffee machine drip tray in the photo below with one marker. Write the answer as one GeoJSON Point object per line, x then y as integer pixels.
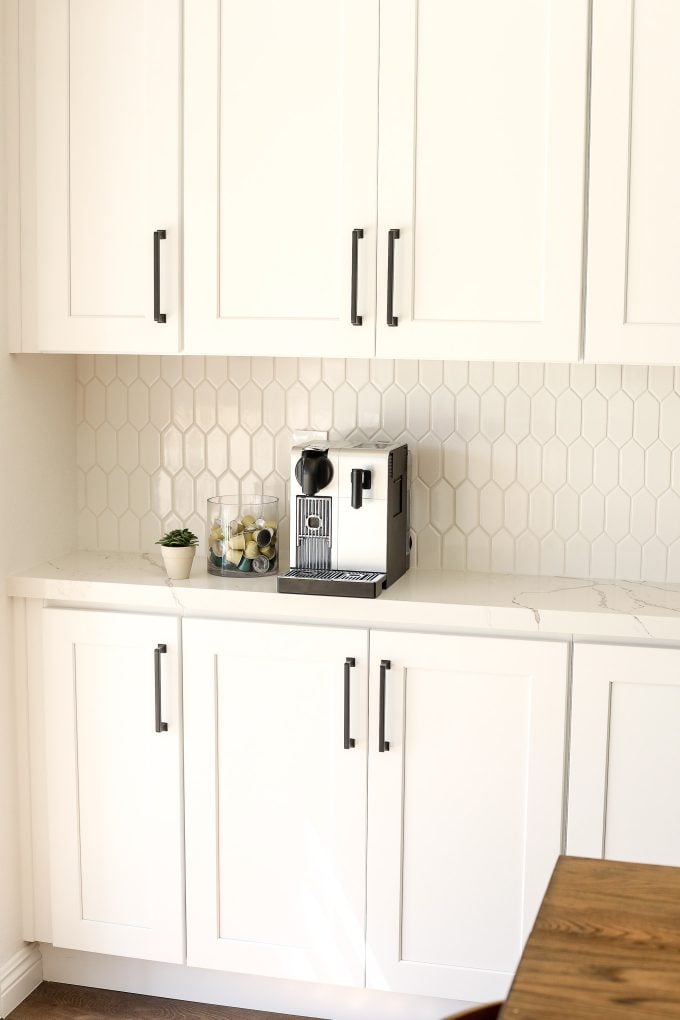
{"type": "Point", "coordinates": [357, 584]}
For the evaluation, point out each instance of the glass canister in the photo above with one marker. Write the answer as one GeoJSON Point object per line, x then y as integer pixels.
{"type": "Point", "coordinates": [243, 535]}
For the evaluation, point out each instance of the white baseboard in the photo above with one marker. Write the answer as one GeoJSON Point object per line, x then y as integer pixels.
{"type": "Point", "coordinates": [19, 976]}
{"type": "Point", "coordinates": [191, 984]}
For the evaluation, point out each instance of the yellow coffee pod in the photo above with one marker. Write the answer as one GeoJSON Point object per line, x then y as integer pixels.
{"type": "Point", "coordinates": [234, 556]}
{"type": "Point", "coordinates": [252, 550]}
{"type": "Point", "coordinates": [269, 551]}
{"type": "Point", "coordinates": [237, 542]}
{"type": "Point", "coordinates": [235, 527]}
{"type": "Point", "coordinates": [216, 533]}
{"type": "Point", "coordinates": [247, 520]}
{"type": "Point", "coordinates": [271, 525]}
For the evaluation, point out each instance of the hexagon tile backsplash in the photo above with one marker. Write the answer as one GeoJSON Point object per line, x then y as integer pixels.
{"type": "Point", "coordinates": [538, 469]}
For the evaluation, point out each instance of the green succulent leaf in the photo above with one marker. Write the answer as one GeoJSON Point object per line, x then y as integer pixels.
{"type": "Point", "coordinates": [178, 538]}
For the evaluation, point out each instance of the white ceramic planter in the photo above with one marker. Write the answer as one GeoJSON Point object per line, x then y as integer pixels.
{"type": "Point", "coordinates": [178, 560]}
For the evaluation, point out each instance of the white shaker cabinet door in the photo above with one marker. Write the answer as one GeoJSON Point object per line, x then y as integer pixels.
{"type": "Point", "coordinates": [280, 150]}
{"type": "Point", "coordinates": [106, 127]}
{"type": "Point", "coordinates": [482, 168]}
{"type": "Point", "coordinates": [624, 770]}
{"type": "Point", "coordinates": [633, 297]}
{"type": "Point", "coordinates": [114, 783]}
{"type": "Point", "coordinates": [465, 808]}
{"type": "Point", "coordinates": [275, 801]}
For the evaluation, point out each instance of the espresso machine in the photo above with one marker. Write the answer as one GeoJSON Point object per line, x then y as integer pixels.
{"type": "Point", "coordinates": [349, 519]}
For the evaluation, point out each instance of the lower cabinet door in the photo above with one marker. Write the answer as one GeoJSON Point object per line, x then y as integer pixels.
{"type": "Point", "coordinates": [465, 807]}
{"type": "Point", "coordinates": [114, 783]}
{"type": "Point", "coordinates": [624, 770]}
{"type": "Point", "coordinates": [276, 799]}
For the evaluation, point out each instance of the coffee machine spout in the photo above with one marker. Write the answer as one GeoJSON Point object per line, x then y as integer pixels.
{"type": "Point", "coordinates": [361, 479]}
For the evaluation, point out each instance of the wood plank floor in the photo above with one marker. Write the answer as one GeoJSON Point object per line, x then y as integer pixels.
{"type": "Point", "coordinates": [52, 1001]}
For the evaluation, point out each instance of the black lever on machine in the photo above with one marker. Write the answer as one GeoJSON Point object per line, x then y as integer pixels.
{"type": "Point", "coordinates": [361, 479]}
{"type": "Point", "coordinates": [313, 471]}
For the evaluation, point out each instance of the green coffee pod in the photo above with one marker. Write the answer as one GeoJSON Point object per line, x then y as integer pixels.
{"type": "Point", "coordinates": [245, 565]}
{"type": "Point", "coordinates": [237, 542]}
{"type": "Point", "coordinates": [234, 556]}
{"type": "Point", "coordinates": [260, 565]}
{"type": "Point", "coordinates": [252, 550]}
{"type": "Point", "coordinates": [263, 537]}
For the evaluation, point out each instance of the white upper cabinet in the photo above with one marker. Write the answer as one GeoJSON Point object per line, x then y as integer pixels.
{"type": "Point", "coordinates": [465, 807]}
{"type": "Point", "coordinates": [624, 769]}
{"type": "Point", "coordinates": [280, 158]}
{"type": "Point", "coordinates": [106, 158]}
{"type": "Point", "coordinates": [482, 168]}
{"type": "Point", "coordinates": [633, 292]}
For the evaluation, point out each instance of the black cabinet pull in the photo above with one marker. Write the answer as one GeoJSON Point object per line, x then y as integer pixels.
{"type": "Point", "coordinates": [392, 236]}
{"type": "Point", "coordinates": [357, 233]}
{"type": "Point", "coordinates": [349, 742]}
{"type": "Point", "coordinates": [157, 652]}
{"type": "Point", "coordinates": [158, 315]}
{"type": "Point", "coordinates": [383, 745]}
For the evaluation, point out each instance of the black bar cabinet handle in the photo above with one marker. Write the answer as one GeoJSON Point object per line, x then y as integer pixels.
{"type": "Point", "coordinates": [392, 236]}
{"type": "Point", "coordinates": [357, 233]}
{"type": "Point", "coordinates": [383, 745]}
{"type": "Point", "coordinates": [349, 742]}
{"type": "Point", "coordinates": [157, 652]}
{"type": "Point", "coordinates": [158, 315]}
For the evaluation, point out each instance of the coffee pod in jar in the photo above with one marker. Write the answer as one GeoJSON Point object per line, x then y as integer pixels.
{"type": "Point", "coordinates": [217, 548]}
{"type": "Point", "coordinates": [252, 550]}
{"type": "Point", "coordinates": [235, 527]}
{"type": "Point", "coordinates": [260, 564]}
{"type": "Point", "coordinates": [247, 520]}
{"type": "Point", "coordinates": [245, 565]}
{"type": "Point", "coordinates": [263, 537]}
{"type": "Point", "coordinates": [237, 542]}
{"type": "Point", "coordinates": [234, 556]}
{"type": "Point", "coordinates": [269, 551]}
{"type": "Point", "coordinates": [216, 532]}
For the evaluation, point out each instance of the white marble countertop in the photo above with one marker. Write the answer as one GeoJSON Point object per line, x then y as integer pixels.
{"type": "Point", "coordinates": [422, 599]}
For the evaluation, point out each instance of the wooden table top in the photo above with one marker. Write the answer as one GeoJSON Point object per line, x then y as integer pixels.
{"type": "Point", "coordinates": [606, 944]}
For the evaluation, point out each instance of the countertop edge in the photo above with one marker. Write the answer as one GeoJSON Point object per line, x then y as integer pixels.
{"type": "Point", "coordinates": [422, 600]}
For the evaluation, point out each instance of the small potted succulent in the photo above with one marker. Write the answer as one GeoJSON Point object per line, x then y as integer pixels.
{"type": "Point", "coordinates": [178, 548]}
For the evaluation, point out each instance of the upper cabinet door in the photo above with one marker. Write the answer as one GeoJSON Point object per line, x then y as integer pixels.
{"type": "Point", "coordinates": [106, 132]}
{"type": "Point", "coordinates": [633, 297]}
{"type": "Point", "coordinates": [280, 144]}
{"type": "Point", "coordinates": [482, 153]}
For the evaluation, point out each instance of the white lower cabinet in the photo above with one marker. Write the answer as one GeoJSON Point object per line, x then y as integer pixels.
{"type": "Point", "coordinates": [410, 855]}
{"type": "Point", "coordinates": [275, 801]}
{"type": "Point", "coordinates": [465, 807]}
{"type": "Point", "coordinates": [114, 783]}
{"type": "Point", "coordinates": [625, 754]}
